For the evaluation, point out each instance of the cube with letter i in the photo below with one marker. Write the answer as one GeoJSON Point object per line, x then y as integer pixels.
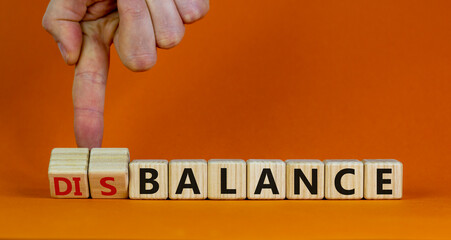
{"type": "Point", "coordinates": [108, 172]}
{"type": "Point", "coordinates": [305, 179]}
{"type": "Point", "coordinates": [68, 173]}
{"type": "Point", "coordinates": [226, 179]}
{"type": "Point", "coordinates": [343, 179]}
{"type": "Point", "coordinates": [265, 179]}
{"type": "Point", "coordinates": [148, 179]}
{"type": "Point", "coordinates": [188, 179]}
{"type": "Point", "coordinates": [383, 179]}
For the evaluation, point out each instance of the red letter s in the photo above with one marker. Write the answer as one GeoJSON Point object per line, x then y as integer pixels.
{"type": "Point", "coordinates": [106, 185]}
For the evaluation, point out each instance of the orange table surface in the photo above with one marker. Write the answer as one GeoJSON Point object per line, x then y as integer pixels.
{"type": "Point", "coordinates": [254, 79]}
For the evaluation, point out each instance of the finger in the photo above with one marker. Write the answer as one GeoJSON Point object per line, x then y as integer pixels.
{"type": "Point", "coordinates": [134, 39]}
{"type": "Point", "coordinates": [99, 9]}
{"type": "Point", "coordinates": [61, 20]}
{"type": "Point", "coordinates": [192, 10]}
{"type": "Point", "coordinates": [88, 90]}
{"type": "Point", "coordinates": [168, 25]}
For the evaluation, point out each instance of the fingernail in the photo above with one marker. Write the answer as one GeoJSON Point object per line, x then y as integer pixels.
{"type": "Point", "coordinates": [62, 50]}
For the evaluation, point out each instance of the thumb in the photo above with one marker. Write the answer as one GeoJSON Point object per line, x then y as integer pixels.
{"type": "Point", "coordinates": [61, 20]}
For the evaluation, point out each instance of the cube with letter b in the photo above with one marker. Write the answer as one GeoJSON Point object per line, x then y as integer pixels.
{"type": "Point", "coordinates": [343, 179]}
{"type": "Point", "coordinates": [108, 172]}
{"type": "Point", "coordinates": [383, 179]}
{"type": "Point", "coordinates": [226, 179]}
{"type": "Point", "coordinates": [148, 179]}
{"type": "Point", "coordinates": [188, 179]}
{"type": "Point", "coordinates": [265, 179]}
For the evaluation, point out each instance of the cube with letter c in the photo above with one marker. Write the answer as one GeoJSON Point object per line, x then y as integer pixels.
{"type": "Point", "coordinates": [343, 179]}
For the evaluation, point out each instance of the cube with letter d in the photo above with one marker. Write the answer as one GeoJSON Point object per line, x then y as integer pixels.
{"type": "Point", "coordinates": [68, 173]}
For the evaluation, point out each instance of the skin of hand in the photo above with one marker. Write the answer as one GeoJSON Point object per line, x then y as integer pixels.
{"type": "Point", "coordinates": [84, 31]}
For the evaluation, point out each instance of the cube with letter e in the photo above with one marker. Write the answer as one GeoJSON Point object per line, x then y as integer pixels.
{"type": "Point", "coordinates": [383, 179]}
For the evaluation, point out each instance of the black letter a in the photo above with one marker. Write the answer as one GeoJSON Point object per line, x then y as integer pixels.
{"type": "Point", "coordinates": [187, 172]}
{"type": "Point", "coordinates": [261, 182]}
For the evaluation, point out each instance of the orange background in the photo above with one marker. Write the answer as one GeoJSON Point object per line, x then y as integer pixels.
{"type": "Point", "coordinates": [254, 79]}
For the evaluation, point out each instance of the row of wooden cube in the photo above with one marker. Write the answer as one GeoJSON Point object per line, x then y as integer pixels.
{"type": "Point", "coordinates": [108, 173]}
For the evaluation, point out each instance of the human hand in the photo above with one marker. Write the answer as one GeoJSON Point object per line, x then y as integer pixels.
{"type": "Point", "coordinates": [84, 31]}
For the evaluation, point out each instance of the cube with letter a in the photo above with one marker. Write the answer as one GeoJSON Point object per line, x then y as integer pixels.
{"type": "Point", "coordinates": [68, 173]}
{"type": "Point", "coordinates": [108, 172]}
{"type": "Point", "coordinates": [265, 179]}
{"type": "Point", "coordinates": [188, 179]}
{"type": "Point", "coordinates": [383, 179]}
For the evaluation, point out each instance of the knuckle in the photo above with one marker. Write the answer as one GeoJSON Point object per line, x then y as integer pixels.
{"type": "Point", "coordinates": [46, 24]}
{"type": "Point", "coordinates": [134, 13]}
{"type": "Point", "coordinates": [195, 11]}
{"type": "Point", "coordinates": [141, 62]}
{"type": "Point", "coordinates": [169, 39]}
{"type": "Point", "coordinates": [93, 77]}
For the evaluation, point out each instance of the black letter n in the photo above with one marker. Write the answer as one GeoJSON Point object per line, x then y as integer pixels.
{"type": "Point", "coordinates": [313, 188]}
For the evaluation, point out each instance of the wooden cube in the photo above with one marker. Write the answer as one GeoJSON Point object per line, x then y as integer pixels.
{"type": "Point", "coordinates": [148, 179]}
{"type": "Point", "coordinates": [305, 179]}
{"type": "Point", "coordinates": [265, 179]}
{"type": "Point", "coordinates": [68, 173]}
{"type": "Point", "coordinates": [343, 179]}
{"type": "Point", "coordinates": [108, 172]}
{"type": "Point", "coordinates": [383, 179]}
{"type": "Point", "coordinates": [188, 179]}
{"type": "Point", "coordinates": [226, 179]}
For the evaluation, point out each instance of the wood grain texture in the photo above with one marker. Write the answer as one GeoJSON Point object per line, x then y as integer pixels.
{"type": "Point", "coordinates": [390, 182]}
{"type": "Point", "coordinates": [68, 173]}
{"type": "Point", "coordinates": [261, 169]}
{"type": "Point", "coordinates": [108, 172]}
{"type": "Point", "coordinates": [148, 168]}
{"type": "Point", "coordinates": [349, 181]}
{"type": "Point", "coordinates": [309, 168]}
{"type": "Point", "coordinates": [181, 174]}
{"type": "Point", "coordinates": [235, 174]}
